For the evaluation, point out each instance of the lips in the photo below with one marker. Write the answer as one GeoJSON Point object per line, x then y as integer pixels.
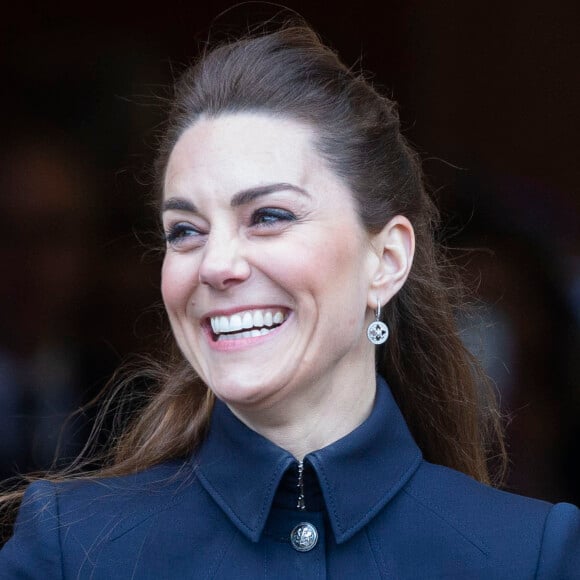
{"type": "Point", "coordinates": [247, 323]}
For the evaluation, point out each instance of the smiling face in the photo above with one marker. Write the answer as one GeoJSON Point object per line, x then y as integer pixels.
{"type": "Point", "coordinates": [267, 270]}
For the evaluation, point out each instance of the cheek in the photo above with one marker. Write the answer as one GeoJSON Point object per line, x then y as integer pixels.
{"type": "Point", "coordinates": [328, 266]}
{"type": "Point", "coordinates": [176, 284]}
{"type": "Point", "coordinates": [343, 279]}
{"type": "Point", "coordinates": [295, 265]}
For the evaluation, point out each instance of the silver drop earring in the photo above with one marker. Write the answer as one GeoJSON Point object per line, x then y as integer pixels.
{"type": "Point", "coordinates": [378, 331]}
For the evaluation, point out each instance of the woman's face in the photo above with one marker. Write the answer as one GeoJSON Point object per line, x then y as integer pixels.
{"type": "Point", "coordinates": [267, 270]}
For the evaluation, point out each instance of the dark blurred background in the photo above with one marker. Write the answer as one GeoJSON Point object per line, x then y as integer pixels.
{"type": "Point", "coordinates": [489, 95]}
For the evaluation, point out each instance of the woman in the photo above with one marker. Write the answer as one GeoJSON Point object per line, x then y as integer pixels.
{"type": "Point", "coordinates": [299, 239]}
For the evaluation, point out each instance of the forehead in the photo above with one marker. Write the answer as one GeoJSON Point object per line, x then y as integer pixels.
{"type": "Point", "coordinates": [244, 149]}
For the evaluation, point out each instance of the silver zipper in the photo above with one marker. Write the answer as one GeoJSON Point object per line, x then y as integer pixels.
{"type": "Point", "coordinates": [301, 505]}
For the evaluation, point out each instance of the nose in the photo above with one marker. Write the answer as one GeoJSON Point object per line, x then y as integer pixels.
{"type": "Point", "coordinates": [223, 263]}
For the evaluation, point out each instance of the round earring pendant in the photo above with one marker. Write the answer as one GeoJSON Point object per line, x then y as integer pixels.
{"type": "Point", "coordinates": [378, 332]}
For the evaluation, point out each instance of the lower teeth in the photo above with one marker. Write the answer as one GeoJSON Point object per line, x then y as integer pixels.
{"type": "Point", "coordinates": [245, 334]}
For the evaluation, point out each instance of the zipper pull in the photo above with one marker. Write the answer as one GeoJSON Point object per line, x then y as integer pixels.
{"type": "Point", "coordinates": [301, 505]}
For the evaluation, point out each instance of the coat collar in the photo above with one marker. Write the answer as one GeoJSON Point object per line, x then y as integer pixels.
{"type": "Point", "coordinates": [358, 474]}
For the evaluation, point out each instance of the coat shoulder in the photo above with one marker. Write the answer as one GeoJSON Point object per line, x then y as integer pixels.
{"type": "Point", "coordinates": [448, 491]}
{"type": "Point", "coordinates": [119, 503]}
{"type": "Point", "coordinates": [64, 526]}
{"type": "Point", "coordinates": [503, 526]}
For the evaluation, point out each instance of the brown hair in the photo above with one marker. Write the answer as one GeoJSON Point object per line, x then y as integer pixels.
{"type": "Point", "coordinates": [435, 380]}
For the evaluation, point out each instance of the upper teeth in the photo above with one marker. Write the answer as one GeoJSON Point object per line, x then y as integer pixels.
{"type": "Point", "coordinates": [245, 320]}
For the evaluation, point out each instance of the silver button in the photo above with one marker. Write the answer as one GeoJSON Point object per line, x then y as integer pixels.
{"type": "Point", "coordinates": [304, 537]}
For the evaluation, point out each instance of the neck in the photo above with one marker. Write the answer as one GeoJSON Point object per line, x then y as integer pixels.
{"type": "Point", "coordinates": [325, 413]}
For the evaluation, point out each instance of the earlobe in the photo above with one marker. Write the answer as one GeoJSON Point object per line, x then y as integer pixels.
{"type": "Point", "coordinates": [394, 246]}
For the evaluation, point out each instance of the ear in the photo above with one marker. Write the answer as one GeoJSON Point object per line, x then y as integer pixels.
{"type": "Point", "coordinates": [394, 247]}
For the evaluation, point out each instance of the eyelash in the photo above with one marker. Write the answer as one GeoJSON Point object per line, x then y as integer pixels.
{"type": "Point", "coordinates": [268, 217]}
{"type": "Point", "coordinates": [179, 232]}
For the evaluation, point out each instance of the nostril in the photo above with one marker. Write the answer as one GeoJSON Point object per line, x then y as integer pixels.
{"type": "Point", "coordinates": [223, 261]}
{"type": "Point", "coordinates": [223, 274]}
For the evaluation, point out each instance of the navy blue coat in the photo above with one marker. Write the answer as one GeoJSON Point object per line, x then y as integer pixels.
{"type": "Point", "coordinates": [380, 510]}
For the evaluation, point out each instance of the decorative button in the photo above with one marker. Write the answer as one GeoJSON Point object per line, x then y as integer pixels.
{"type": "Point", "coordinates": [304, 537]}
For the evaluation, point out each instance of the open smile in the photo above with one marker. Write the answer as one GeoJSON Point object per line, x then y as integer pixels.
{"type": "Point", "coordinates": [246, 324]}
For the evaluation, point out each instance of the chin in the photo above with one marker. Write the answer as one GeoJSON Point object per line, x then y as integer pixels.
{"type": "Point", "coordinates": [240, 391]}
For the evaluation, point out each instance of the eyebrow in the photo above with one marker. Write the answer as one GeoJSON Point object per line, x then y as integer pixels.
{"type": "Point", "coordinates": [241, 198]}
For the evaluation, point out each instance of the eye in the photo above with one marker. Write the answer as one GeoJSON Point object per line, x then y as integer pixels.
{"type": "Point", "coordinates": [182, 233]}
{"type": "Point", "coordinates": [271, 216]}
